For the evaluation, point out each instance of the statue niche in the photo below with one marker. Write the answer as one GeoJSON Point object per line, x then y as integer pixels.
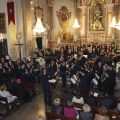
{"type": "Point", "coordinates": [97, 15]}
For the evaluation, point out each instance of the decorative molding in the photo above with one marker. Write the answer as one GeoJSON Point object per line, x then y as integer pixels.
{"type": "Point", "coordinates": [50, 2]}
{"type": "Point", "coordinates": [38, 12]}
{"type": "Point", "coordinates": [63, 16]}
{"type": "Point", "coordinates": [64, 36]}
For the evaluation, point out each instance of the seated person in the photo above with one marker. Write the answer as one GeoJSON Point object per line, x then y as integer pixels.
{"type": "Point", "coordinates": [106, 102]}
{"type": "Point", "coordinates": [57, 108]}
{"type": "Point", "coordinates": [10, 84]}
{"type": "Point", "coordinates": [91, 100]}
{"type": "Point", "coordinates": [10, 97]}
{"type": "Point", "coordinates": [102, 114]}
{"type": "Point", "coordinates": [66, 95]}
{"type": "Point", "coordinates": [115, 102]}
{"type": "Point", "coordinates": [69, 111]}
{"type": "Point", "coordinates": [86, 114]}
{"type": "Point", "coordinates": [78, 99]}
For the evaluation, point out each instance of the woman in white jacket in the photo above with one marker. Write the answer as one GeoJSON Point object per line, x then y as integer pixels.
{"type": "Point", "coordinates": [10, 97]}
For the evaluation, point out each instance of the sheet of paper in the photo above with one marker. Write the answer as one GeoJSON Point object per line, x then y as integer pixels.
{"type": "Point", "coordinates": [52, 80]}
{"type": "Point", "coordinates": [7, 57]}
{"type": "Point", "coordinates": [73, 81]}
{"type": "Point", "coordinates": [95, 94]}
{"type": "Point", "coordinates": [97, 76]}
{"type": "Point", "coordinates": [86, 56]}
{"type": "Point", "coordinates": [95, 81]}
{"type": "Point", "coordinates": [75, 77]}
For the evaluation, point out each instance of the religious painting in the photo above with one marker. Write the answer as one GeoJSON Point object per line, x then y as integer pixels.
{"type": "Point", "coordinates": [97, 15]}
{"type": "Point", "coordinates": [63, 16]}
{"type": "Point", "coordinates": [2, 23]}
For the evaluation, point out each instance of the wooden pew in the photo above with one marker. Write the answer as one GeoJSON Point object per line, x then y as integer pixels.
{"type": "Point", "coordinates": [52, 116]}
{"type": "Point", "coordinates": [29, 85]}
{"type": "Point", "coordinates": [93, 109]}
{"type": "Point", "coordinates": [99, 97]}
{"type": "Point", "coordinates": [4, 99]}
{"type": "Point", "coordinates": [17, 93]}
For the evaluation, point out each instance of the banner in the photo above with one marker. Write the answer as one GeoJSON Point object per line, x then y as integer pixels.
{"type": "Point", "coordinates": [11, 15]}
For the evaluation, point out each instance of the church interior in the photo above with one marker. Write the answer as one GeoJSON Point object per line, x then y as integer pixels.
{"type": "Point", "coordinates": [60, 59]}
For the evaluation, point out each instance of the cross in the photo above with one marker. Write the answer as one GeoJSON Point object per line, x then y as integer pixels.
{"type": "Point", "coordinates": [19, 45]}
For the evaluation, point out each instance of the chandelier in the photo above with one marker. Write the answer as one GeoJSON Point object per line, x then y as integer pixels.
{"type": "Point", "coordinates": [76, 25]}
{"type": "Point", "coordinates": [114, 24]}
{"type": "Point", "coordinates": [38, 27]}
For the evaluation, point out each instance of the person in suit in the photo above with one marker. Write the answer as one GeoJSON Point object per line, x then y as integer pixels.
{"type": "Point", "coordinates": [81, 60]}
{"type": "Point", "coordinates": [66, 95]}
{"type": "Point", "coordinates": [53, 68]}
{"type": "Point", "coordinates": [63, 73]}
{"type": "Point", "coordinates": [107, 83]}
{"type": "Point", "coordinates": [72, 71]}
{"type": "Point", "coordinates": [91, 100]}
{"type": "Point", "coordinates": [2, 72]}
{"type": "Point", "coordinates": [2, 61]}
{"type": "Point", "coordinates": [22, 72]}
{"type": "Point", "coordinates": [46, 88]}
{"type": "Point", "coordinates": [84, 82]}
{"type": "Point", "coordinates": [10, 84]}
{"type": "Point", "coordinates": [112, 74]}
{"type": "Point", "coordinates": [99, 72]}
{"type": "Point", "coordinates": [11, 66]}
{"type": "Point", "coordinates": [8, 71]}
{"type": "Point", "coordinates": [107, 102]}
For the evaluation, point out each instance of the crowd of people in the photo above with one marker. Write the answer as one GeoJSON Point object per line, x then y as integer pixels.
{"type": "Point", "coordinates": [84, 114]}
{"type": "Point", "coordinates": [88, 67]}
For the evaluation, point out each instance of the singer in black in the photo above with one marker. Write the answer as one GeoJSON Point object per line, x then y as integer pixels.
{"type": "Point", "coordinates": [63, 73]}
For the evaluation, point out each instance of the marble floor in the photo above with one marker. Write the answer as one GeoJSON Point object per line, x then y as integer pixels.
{"type": "Point", "coordinates": [35, 108]}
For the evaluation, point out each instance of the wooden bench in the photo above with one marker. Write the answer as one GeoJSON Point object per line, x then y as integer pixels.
{"type": "Point", "coordinates": [7, 106]}
{"type": "Point", "coordinates": [17, 93]}
{"type": "Point", "coordinates": [52, 116]}
{"type": "Point", "coordinates": [99, 97]}
{"type": "Point", "coordinates": [93, 109]}
{"type": "Point", "coordinates": [30, 86]}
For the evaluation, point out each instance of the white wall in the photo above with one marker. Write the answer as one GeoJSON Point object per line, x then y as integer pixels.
{"type": "Point", "coordinates": [3, 9]}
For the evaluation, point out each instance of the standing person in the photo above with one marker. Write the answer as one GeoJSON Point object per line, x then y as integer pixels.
{"type": "Point", "coordinates": [107, 83]}
{"type": "Point", "coordinates": [99, 72]}
{"type": "Point", "coordinates": [112, 74]}
{"type": "Point", "coordinates": [46, 88]}
{"type": "Point", "coordinates": [63, 73]}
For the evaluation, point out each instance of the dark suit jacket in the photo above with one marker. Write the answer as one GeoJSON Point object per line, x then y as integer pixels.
{"type": "Point", "coordinates": [85, 84]}
{"type": "Point", "coordinates": [106, 102]}
{"type": "Point", "coordinates": [92, 101]}
{"type": "Point", "coordinates": [66, 96]}
{"type": "Point", "coordinates": [45, 82]}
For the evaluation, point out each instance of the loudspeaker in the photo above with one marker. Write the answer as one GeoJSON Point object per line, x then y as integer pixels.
{"type": "Point", "coordinates": [39, 42]}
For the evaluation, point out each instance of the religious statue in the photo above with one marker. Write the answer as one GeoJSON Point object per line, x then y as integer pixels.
{"type": "Point", "coordinates": [96, 16]}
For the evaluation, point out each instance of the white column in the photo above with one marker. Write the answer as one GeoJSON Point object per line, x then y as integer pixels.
{"type": "Point", "coordinates": [109, 10]}
{"type": "Point", "coordinates": [83, 21]}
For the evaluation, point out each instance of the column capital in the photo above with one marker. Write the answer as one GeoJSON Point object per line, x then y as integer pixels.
{"type": "Point", "coordinates": [50, 3]}
{"type": "Point", "coordinates": [110, 7]}
{"type": "Point", "coordinates": [83, 8]}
